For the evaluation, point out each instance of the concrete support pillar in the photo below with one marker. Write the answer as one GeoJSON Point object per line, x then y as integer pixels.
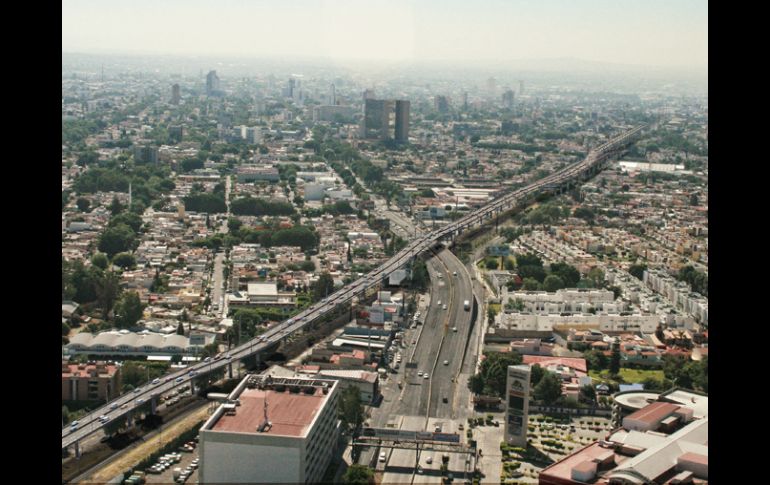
{"type": "Point", "coordinates": [153, 404]}
{"type": "Point", "coordinates": [230, 370]}
{"type": "Point", "coordinates": [77, 449]}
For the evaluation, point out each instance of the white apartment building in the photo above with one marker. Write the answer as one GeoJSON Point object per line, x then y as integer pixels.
{"type": "Point", "coordinates": [273, 430]}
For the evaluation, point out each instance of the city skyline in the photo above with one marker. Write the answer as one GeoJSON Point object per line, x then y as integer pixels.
{"type": "Point", "coordinates": [654, 34]}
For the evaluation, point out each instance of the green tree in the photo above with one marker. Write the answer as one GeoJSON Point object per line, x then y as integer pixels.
{"type": "Point", "coordinates": [107, 291]}
{"type": "Point", "coordinates": [530, 284]}
{"type": "Point", "coordinates": [553, 283]}
{"type": "Point", "coordinates": [180, 328]}
{"type": "Point", "coordinates": [568, 273]}
{"type": "Point", "coordinates": [358, 475]}
{"type": "Point", "coordinates": [116, 207]}
{"type": "Point", "coordinates": [536, 374]}
{"type": "Point", "coordinates": [596, 360]}
{"type": "Point", "coordinates": [65, 329]}
{"type": "Point", "coordinates": [134, 221]}
{"type": "Point", "coordinates": [637, 270]}
{"type": "Point", "coordinates": [83, 204]}
{"type": "Point", "coordinates": [588, 393]}
{"type": "Point", "coordinates": [128, 310]}
{"type": "Point", "coordinates": [351, 410]}
{"type": "Point", "coordinates": [491, 263]}
{"type": "Point", "coordinates": [615, 359]}
{"type": "Point", "coordinates": [124, 260]}
{"type": "Point", "coordinates": [494, 371]}
{"type": "Point", "coordinates": [323, 287]}
{"type": "Point", "coordinates": [100, 260]}
{"type": "Point", "coordinates": [584, 213]}
{"type": "Point", "coordinates": [596, 275]}
{"type": "Point", "coordinates": [548, 390]}
{"type": "Point", "coordinates": [476, 384]}
{"type": "Point", "coordinates": [114, 240]}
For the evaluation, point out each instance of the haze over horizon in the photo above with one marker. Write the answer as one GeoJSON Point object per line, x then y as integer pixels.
{"type": "Point", "coordinates": [632, 34]}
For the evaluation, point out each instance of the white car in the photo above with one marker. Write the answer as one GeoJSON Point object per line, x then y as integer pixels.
{"type": "Point", "coordinates": [419, 374]}
{"type": "Point", "coordinates": [382, 456]}
{"type": "Point", "coordinates": [438, 302]}
{"type": "Point", "coordinates": [444, 306]}
{"type": "Point", "coordinates": [425, 376]}
{"type": "Point", "coordinates": [446, 362]}
{"type": "Point", "coordinates": [429, 460]}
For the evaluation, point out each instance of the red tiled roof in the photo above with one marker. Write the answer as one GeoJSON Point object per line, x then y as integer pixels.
{"type": "Point", "coordinates": [571, 362]}
{"type": "Point", "coordinates": [654, 413]}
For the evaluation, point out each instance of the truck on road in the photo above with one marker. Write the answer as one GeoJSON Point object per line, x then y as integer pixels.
{"type": "Point", "coordinates": [467, 305]}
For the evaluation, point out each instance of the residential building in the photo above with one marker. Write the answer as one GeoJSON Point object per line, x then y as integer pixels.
{"type": "Point", "coordinates": [89, 382]}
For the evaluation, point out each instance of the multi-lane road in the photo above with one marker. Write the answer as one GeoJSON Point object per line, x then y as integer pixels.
{"type": "Point", "coordinates": [127, 403]}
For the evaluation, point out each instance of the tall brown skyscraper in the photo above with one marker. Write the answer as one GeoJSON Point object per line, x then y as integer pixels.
{"type": "Point", "coordinates": [175, 97]}
{"type": "Point", "coordinates": [402, 120]}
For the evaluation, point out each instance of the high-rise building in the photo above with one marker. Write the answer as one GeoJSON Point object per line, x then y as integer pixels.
{"type": "Point", "coordinates": [402, 121]}
{"type": "Point", "coordinates": [508, 99]}
{"type": "Point", "coordinates": [465, 100]}
{"type": "Point", "coordinates": [175, 97]}
{"type": "Point", "coordinates": [376, 118]}
{"type": "Point", "coordinates": [442, 104]}
{"type": "Point", "coordinates": [145, 154]}
{"type": "Point", "coordinates": [291, 86]}
{"type": "Point", "coordinates": [492, 85]}
{"type": "Point", "coordinates": [176, 133]}
{"type": "Point", "coordinates": [212, 83]}
{"type": "Point", "coordinates": [521, 88]}
{"type": "Point", "coordinates": [517, 405]}
{"type": "Point", "coordinates": [272, 420]}
{"type": "Point", "coordinates": [333, 96]}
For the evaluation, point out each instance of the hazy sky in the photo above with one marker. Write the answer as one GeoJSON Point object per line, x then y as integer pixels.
{"type": "Point", "coordinates": [670, 33]}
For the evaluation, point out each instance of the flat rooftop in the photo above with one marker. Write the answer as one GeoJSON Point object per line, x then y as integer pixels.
{"type": "Point", "coordinates": [290, 414]}
{"type": "Point", "coordinates": [563, 469]}
{"type": "Point", "coordinates": [636, 399]}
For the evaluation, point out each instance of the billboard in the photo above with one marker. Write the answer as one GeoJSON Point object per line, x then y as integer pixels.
{"type": "Point", "coordinates": [517, 404]}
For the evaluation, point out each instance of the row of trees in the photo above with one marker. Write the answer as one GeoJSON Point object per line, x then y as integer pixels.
{"type": "Point", "coordinates": [250, 206]}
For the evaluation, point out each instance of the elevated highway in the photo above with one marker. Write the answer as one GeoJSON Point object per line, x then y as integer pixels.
{"type": "Point", "coordinates": [562, 180]}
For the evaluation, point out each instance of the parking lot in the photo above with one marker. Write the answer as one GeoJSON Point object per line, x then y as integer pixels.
{"type": "Point", "coordinates": [167, 475]}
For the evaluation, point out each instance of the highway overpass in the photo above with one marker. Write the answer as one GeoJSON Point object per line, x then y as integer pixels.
{"type": "Point", "coordinates": [560, 180]}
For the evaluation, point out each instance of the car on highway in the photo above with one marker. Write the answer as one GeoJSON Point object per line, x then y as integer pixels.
{"type": "Point", "coordinates": [382, 456]}
{"type": "Point", "coordinates": [178, 380]}
{"type": "Point", "coordinates": [454, 273]}
{"type": "Point", "coordinates": [156, 381]}
{"type": "Point", "coordinates": [419, 373]}
{"type": "Point", "coordinates": [139, 401]}
{"type": "Point", "coordinates": [425, 376]}
{"type": "Point", "coordinates": [438, 303]}
{"type": "Point", "coordinates": [138, 390]}
{"type": "Point", "coordinates": [429, 460]}
{"type": "Point", "coordinates": [228, 357]}
{"type": "Point", "coordinates": [125, 406]}
{"type": "Point", "coordinates": [444, 307]}
{"type": "Point", "coordinates": [446, 362]}
{"type": "Point", "coordinates": [454, 329]}
{"type": "Point", "coordinates": [444, 399]}
{"type": "Point", "coordinates": [207, 359]}
{"type": "Point", "coordinates": [114, 406]}
{"type": "Point", "coordinates": [74, 424]}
